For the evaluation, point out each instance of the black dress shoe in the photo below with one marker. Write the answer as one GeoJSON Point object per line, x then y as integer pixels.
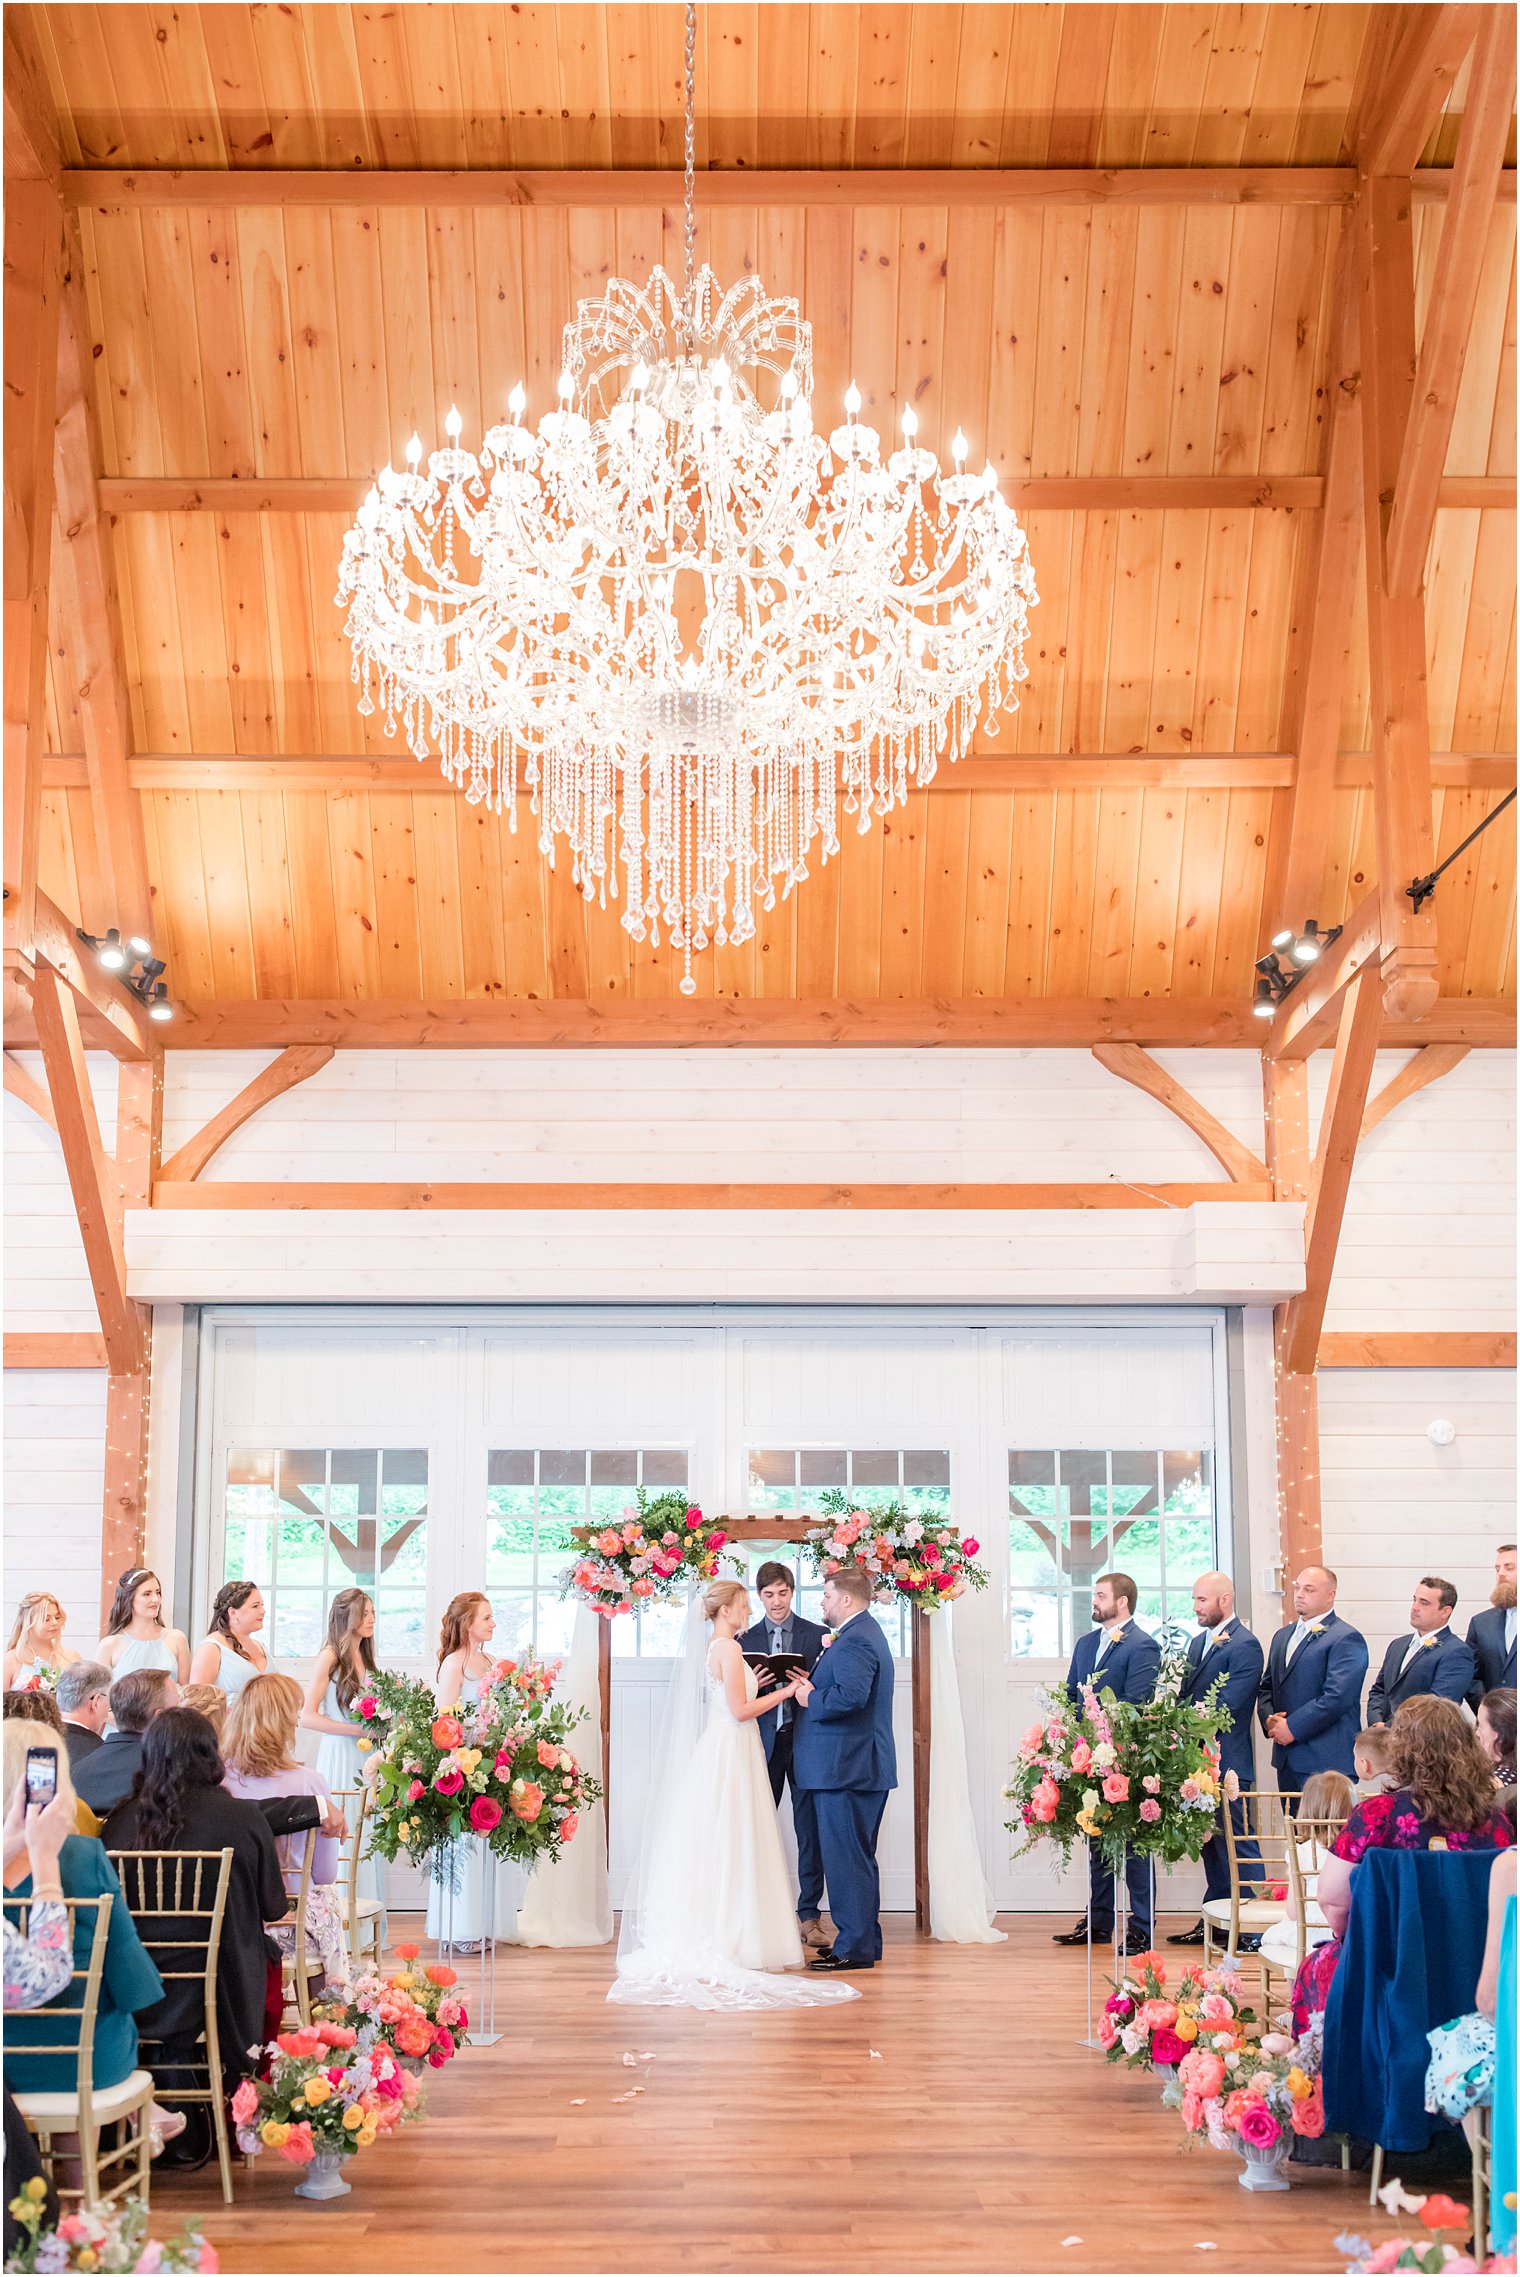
{"type": "Point", "coordinates": [1079, 1936]}
{"type": "Point", "coordinates": [1193, 1936]}
{"type": "Point", "coordinates": [831, 1962]}
{"type": "Point", "coordinates": [1250, 1944]}
{"type": "Point", "coordinates": [1134, 1947]}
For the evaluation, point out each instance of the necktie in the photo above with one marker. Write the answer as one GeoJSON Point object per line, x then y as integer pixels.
{"type": "Point", "coordinates": [1410, 1650]}
{"type": "Point", "coordinates": [1300, 1631]}
{"type": "Point", "coordinates": [1108, 1638]}
{"type": "Point", "coordinates": [783, 1713]}
{"type": "Point", "coordinates": [1509, 1628]}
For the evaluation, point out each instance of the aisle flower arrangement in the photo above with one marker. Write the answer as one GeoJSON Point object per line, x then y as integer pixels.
{"type": "Point", "coordinates": [1146, 2022]}
{"type": "Point", "coordinates": [324, 2096]}
{"type": "Point", "coordinates": [658, 1549]}
{"type": "Point", "coordinates": [926, 1562]}
{"type": "Point", "coordinates": [417, 2012]}
{"type": "Point", "coordinates": [500, 1769]}
{"type": "Point", "coordinates": [1255, 2096]}
{"type": "Point", "coordinates": [1142, 1782]}
{"type": "Point", "coordinates": [116, 2240]}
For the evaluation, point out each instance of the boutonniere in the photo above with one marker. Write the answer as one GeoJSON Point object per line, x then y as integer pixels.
{"type": "Point", "coordinates": [1427, 1642]}
{"type": "Point", "coordinates": [828, 1639]}
{"type": "Point", "coordinates": [1316, 1628]}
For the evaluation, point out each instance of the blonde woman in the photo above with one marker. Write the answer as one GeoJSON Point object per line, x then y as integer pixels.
{"type": "Point", "coordinates": [37, 1655]}
{"type": "Point", "coordinates": [456, 1911]}
{"type": "Point", "coordinates": [259, 1750]}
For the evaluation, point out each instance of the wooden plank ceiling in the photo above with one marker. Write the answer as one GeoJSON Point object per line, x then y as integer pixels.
{"type": "Point", "coordinates": [1080, 340]}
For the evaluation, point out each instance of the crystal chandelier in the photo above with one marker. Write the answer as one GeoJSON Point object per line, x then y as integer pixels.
{"type": "Point", "coordinates": [689, 611]}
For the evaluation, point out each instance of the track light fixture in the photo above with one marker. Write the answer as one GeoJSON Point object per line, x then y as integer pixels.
{"type": "Point", "coordinates": [111, 952]}
{"type": "Point", "coordinates": [159, 1007]}
{"type": "Point", "coordinates": [1282, 967]}
{"type": "Point", "coordinates": [132, 962]}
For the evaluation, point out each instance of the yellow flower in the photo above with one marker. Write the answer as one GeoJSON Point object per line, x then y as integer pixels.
{"type": "Point", "coordinates": [353, 2117]}
{"type": "Point", "coordinates": [365, 2137]}
{"type": "Point", "coordinates": [317, 2091]}
{"type": "Point", "coordinates": [36, 2189]}
{"type": "Point", "coordinates": [88, 2257]}
{"type": "Point", "coordinates": [364, 1746]}
{"type": "Point", "coordinates": [467, 1758]}
{"type": "Point", "coordinates": [275, 2132]}
{"type": "Point", "coordinates": [404, 1978]}
{"type": "Point", "coordinates": [1186, 2027]}
{"type": "Point", "coordinates": [1087, 1822]}
{"type": "Point", "coordinates": [1299, 2085]}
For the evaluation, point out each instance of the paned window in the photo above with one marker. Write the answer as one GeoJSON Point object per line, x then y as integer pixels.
{"type": "Point", "coordinates": [305, 1522]}
{"type": "Point", "coordinates": [1076, 1512]}
{"type": "Point", "coordinates": [793, 1480]}
{"type": "Point", "coordinates": [535, 1499]}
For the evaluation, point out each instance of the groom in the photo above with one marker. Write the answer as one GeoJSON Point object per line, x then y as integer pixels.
{"type": "Point", "coordinates": [784, 1630]}
{"type": "Point", "coordinates": [844, 1757]}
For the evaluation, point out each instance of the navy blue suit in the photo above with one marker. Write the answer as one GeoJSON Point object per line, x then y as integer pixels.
{"type": "Point", "coordinates": [1320, 1693]}
{"type": "Point", "coordinates": [1495, 1659]}
{"type": "Point", "coordinates": [1444, 1666]}
{"type": "Point", "coordinates": [1236, 1655]}
{"type": "Point", "coordinates": [1130, 1668]}
{"type": "Point", "coordinates": [778, 1739]}
{"type": "Point", "coordinates": [845, 1758]}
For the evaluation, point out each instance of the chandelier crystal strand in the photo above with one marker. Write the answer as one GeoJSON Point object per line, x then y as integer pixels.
{"type": "Point", "coordinates": [849, 616]}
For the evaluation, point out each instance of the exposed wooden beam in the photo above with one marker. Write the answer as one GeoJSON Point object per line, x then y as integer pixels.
{"type": "Point", "coordinates": [1486, 121]}
{"type": "Point", "coordinates": [470, 1023]}
{"type": "Point", "coordinates": [1133, 1065]}
{"type": "Point", "coordinates": [982, 769]}
{"type": "Point", "coordinates": [1285, 1099]}
{"type": "Point", "coordinates": [91, 619]}
{"type": "Point", "coordinates": [283, 1074]}
{"type": "Point", "coordinates": [1427, 1067]}
{"type": "Point", "coordinates": [1356, 1046]}
{"type": "Point", "coordinates": [33, 272]}
{"type": "Point", "coordinates": [1419, 1348]}
{"type": "Point", "coordinates": [1110, 1194]}
{"type": "Point", "coordinates": [1419, 73]}
{"type": "Point", "coordinates": [29, 1349]}
{"type": "Point", "coordinates": [31, 117]}
{"type": "Point", "coordinates": [91, 1174]}
{"type": "Point", "coordinates": [124, 1494]}
{"type": "Point", "coordinates": [1395, 621]}
{"type": "Point", "coordinates": [957, 186]}
{"type": "Point", "coordinates": [119, 1022]}
{"type": "Point", "coordinates": [20, 1086]}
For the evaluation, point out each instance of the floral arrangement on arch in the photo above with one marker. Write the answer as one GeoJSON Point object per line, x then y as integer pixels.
{"type": "Point", "coordinates": [116, 2240]}
{"type": "Point", "coordinates": [924, 1561]}
{"type": "Point", "coordinates": [500, 1769]}
{"type": "Point", "coordinates": [1140, 1781]}
{"type": "Point", "coordinates": [324, 2095]}
{"type": "Point", "coordinates": [658, 1548]}
{"type": "Point", "coordinates": [416, 2013]}
{"type": "Point", "coordinates": [1143, 2022]}
{"type": "Point", "coordinates": [1257, 2093]}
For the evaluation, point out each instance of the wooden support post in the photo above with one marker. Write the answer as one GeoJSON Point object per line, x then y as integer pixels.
{"type": "Point", "coordinates": [1300, 1525]}
{"type": "Point", "coordinates": [125, 1504]}
{"type": "Point", "coordinates": [91, 1173]}
{"type": "Point", "coordinates": [1330, 1182]}
{"type": "Point", "coordinates": [922, 1733]}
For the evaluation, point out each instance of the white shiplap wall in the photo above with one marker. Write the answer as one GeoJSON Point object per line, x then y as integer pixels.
{"type": "Point", "coordinates": [55, 1440]}
{"type": "Point", "coordinates": [47, 1285]}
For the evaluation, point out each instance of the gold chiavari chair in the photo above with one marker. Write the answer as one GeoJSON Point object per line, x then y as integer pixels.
{"type": "Point", "coordinates": [299, 1965]}
{"type": "Point", "coordinates": [1265, 1821]}
{"type": "Point", "coordinates": [1479, 2124]}
{"type": "Point", "coordinates": [86, 2111]}
{"type": "Point", "coordinates": [362, 1915]}
{"type": "Point", "coordinates": [178, 1899]}
{"type": "Point", "coordinates": [1315, 1836]}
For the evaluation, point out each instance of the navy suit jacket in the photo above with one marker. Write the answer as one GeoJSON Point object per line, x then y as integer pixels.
{"type": "Point", "coordinates": [1238, 1658]}
{"type": "Point", "coordinates": [1130, 1666]}
{"type": "Point", "coordinates": [807, 1638]}
{"type": "Point", "coordinates": [844, 1734]}
{"type": "Point", "coordinates": [1444, 1667]}
{"type": "Point", "coordinates": [1321, 1696]}
{"type": "Point", "coordinates": [1495, 1659]}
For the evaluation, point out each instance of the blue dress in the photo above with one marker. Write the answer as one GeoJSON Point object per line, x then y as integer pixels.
{"type": "Point", "coordinates": [129, 1982]}
{"type": "Point", "coordinates": [340, 1765]}
{"type": "Point", "coordinates": [1501, 2212]}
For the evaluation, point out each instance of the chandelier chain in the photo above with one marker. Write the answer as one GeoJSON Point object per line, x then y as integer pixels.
{"type": "Point", "coordinates": [691, 143]}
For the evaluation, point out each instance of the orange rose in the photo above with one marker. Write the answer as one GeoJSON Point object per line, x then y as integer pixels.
{"type": "Point", "coordinates": [448, 1731]}
{"type": "Point", "coordinates": [527, 1801]}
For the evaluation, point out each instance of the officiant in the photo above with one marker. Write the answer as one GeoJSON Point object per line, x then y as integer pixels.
{"type": "Point", "coordinates": [783, 1629]}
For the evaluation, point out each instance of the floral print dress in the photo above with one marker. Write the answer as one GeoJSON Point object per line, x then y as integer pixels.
{"type": "Point", "coordinates": [38, 1965]}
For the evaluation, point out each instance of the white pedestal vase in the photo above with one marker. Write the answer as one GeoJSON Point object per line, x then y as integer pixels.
{"type": "Point", "coordinates": [1264, 2164]}
{"type": "Point", "coordinates": [323, 2179]}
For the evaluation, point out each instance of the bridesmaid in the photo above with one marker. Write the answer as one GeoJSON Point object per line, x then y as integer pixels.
{"type": "Point", "coordinates": [229, 1654]}
{"type": "Point", "coordinates": [457, 1907]}
{"type": "Point", "coordinates": [344, 1666]}
{"type": "Point", "coordinates": [36, 1643]}
{"type": "Point", "coordinates": [135, 1634]}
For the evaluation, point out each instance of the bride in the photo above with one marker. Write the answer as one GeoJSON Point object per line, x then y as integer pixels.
{"type": "Point", "coordinates": [710, 1912]}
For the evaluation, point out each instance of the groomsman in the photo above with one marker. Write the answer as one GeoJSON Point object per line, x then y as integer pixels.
{"type": "Point", "coordinates": [1115, 1656]}
{"type": "Point", "coordinates": [784, 1630]}
{"type": "Point", "coordinates": [1492, 1633]}
{"type": "Point", "coordinates": [1429, 1659]}
{"type": "Point", "coordinates": [1310, 1698]}
{"type": "Point", "coordinates": [1226, 1649]}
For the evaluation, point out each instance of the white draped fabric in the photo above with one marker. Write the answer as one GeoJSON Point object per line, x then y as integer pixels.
{"type": "Point", "coordinates": [568, 1902]}
{"type": "Point", "coordinates": [960, 1901]}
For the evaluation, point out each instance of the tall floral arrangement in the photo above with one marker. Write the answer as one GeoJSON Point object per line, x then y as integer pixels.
{"type": "Point", "coordinates": [115, 2240]}
{"type": "Point", "coordinates": [926, 1562]}
{"type": "Point", "coordinates": [500, 1769]}
{"type": "Point", "coordinates": [659, 1547]}
{"type": "Point", "coordinates": [322, 2094]}
{"type": "Point", "coordinates": [1147, 2021]}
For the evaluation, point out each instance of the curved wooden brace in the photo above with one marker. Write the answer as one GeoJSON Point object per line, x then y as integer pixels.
{"type": "Point", "coordinates": [1427, 1066]}
{"type": "Point", "coordinates": [293, 1066]}
{"type": "Point", "coordinates": [1134, 1065]}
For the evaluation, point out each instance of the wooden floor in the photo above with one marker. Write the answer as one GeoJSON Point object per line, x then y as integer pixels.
{"type": "Point", "coordinates": [948, 2120]}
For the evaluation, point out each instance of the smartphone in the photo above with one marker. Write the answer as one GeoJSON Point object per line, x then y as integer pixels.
{"type": "Point", "coordinates": [41, 1774]}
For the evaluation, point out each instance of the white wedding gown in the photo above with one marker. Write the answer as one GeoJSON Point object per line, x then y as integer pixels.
{"type": "Point", "coordinates": [712, 1912]}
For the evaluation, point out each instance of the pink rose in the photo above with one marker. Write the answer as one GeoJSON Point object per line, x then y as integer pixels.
{"type": "Point", "coordinates": [1081, 1756]}
{"type": "Point", "coordinates": [484, 1814]}
{"type": "Point", "coordinates": [245, 2102]}
{"type": "Point", "coordinates": [449, 1782]}
{"type": "Point", "coordinates": [1151, 1783]}
{"type": "Point", "coordinates": [1203, 2071]}
{"type": "Point", "coordinates": [1045, 1801]}
{"type": "Point", "coordinates": [1150, 1810]}
{"type": "Point", "coordinates": [1192, 2110]}
{"type": "Point", "coordinates": [1189, 1790]}
{"type": "Point", "coordinates": [643, 1587]}
{"type": "Point", "coordinates": [1116, 1788]}
{"type": "Point", "coordinates": [1154, 2014]}
{"type": "Point", "coordinates": [1107, 2034]}
{"type": "Point", "coordinates": [970, 1547]}
{"type": "Point", "coordinates": [1307, 2116]}
{"type": "Point", "coordinates": [368, 1707]}
{"type": "Point", "coordinates": [1215, 2009]}
{"type": "Point", "coordinates": [568, 1826]}
{"type": "Point", "coordinates": [503, 1764]}
{"type": "Point", "coordinates": [1257, 2126]}
{"type": "Point", "coordinates": [415, 1791]}
{"type": "Point", "coordinates": [1166, 2048]}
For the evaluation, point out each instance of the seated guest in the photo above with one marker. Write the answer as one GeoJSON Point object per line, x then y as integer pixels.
{"type": "Point", "coordinates": [34, 1708]}
{"type": "Point", "coordinates": [1491, 1633]}
{"type": "Point", "coordinates": [104, 1779]}
{"type": "Point", "coordinates": [40, 1961]}
{"type": "Point", "coordinates": [37, 1654]}
{"type": "Point", "coordinates": [178, 1802]}
{"type": "Point", "coordinates": [1430, 1659]}
{"type": "Point", "coordinates": [83, 1697]}
{"type": "Point", "coordinates": [260, 1754]}
{"type": "Point", "coordinates": [1371, 1760]}
{"type": "Point", "coordinates": [1496, 1733]}
{"type": "Point", "coordinates": [1327, 1799]}
{"type": "Point", "coordinates": [208, 1700]}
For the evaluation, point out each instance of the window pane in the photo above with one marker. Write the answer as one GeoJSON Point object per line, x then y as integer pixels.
{"type": "Point", "coordinates": [615, 1467]}
{"type": "Point", "coordinates": [823, 1466]}
{"type": "Point", "coordinates": [562, 1466]}
{"type": "Point", "coordinates": [772, 1467]}
{"type": "Point", "coordinates": [297, 1625]}
{"type": "Point", "coordinates": [874, 1497]}
{"type": "Point", "coordinates": [612, 1501]}
{"type": "Point", "coordinates": [1137, 1550]}
{"type": "Point", "coordinates": [403, 1552]}
{"type": "Point", "coordinates": [662, 1631]}
{"type": "Point", "coordinates": [1135, 1475]}
{"type": "Point", "coordinates": [556, 1540]}
{"type": "Point", "coordinates": [874, 1467]}
{"type": "Point", "coordinates": [556, 1620]}
{"type": "Point", "coordinates": [509, 1466]}
{"type": "Point", "coordinates": [250, 1482]}
{"type": "Point", "coordinates": [925, 1466]}
{"type": "Point", "coordinates": [303, 1480]}
{"type": "Point", "coordinates": [1084, 1482]}
{"type": "Point", "coordinates": [509, 1554]}
{"type": "Point", "coordinates": [400, 1628]}
{"type": "Point", "coordinates": [504, 1501]}
{"type": "Point", "coordinates": [1035, 1625]}
{"type": "Point", "coordinates": [1187, 1482]}
{"type": "Point", "coordinates": [355, 1480]}
{"type": "Point", "coordinates": [1189, 1552]}
{"type": "Point", "coordinates": [563, 1501]}
{"type": "Point", "coordinates": [514, 1624]}
{"type": "Point", "coordinates": [302, 1554]}
{"type": "Point", "coordinates": [248, 1552]}
{"type": "Point", "coordinates": [927, 1501]}
{"type": "Point", "coordinates": [664, 1466]}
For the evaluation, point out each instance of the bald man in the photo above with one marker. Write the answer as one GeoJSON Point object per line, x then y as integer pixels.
{"type": "Point", "coordinates": [1224, 1661]}
{"type": "Point", "coordinates": [1311, 1693]}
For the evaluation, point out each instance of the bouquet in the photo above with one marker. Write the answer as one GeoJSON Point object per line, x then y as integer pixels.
{"type": "Point", "coordinates": [500, 1770]}
{"type": "Point", "coordinates": [1141, 1782]}
{"type": "Point", "coordinates": [1253, 2094]}
{"type": "Point", "coordinates": [115, 2240]}
{"type": "Point", "coordinates": [924, 1561]}
{"type": "Point", "coordinates": [658, 1548]}
{"type": "Point", "coordinates": [1142, 2023]}
{"type": "Point", "coordinates": [44, 1678]}
{"type": "Point", "coordinates": [324, 2095]}
{"type": "Point", "coordinates": [418, 2013]}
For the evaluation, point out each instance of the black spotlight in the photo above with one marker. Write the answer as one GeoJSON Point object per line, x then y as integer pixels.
{"type": "Point", "coordinates": [110, 951]}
